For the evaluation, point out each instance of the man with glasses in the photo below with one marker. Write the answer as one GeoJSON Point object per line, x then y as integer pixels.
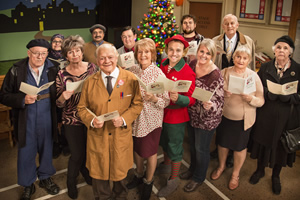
{"type": "Point", "coordinates": [34, 117]}
{"type": "Point", "coordinates": [98, 33]}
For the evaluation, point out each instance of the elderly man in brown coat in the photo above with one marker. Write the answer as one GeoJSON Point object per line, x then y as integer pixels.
{"type": "Point", "coordinates": [109, 143]}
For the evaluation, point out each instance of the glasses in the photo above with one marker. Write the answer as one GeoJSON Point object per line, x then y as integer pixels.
{"type": "Point", "coordinates": [37, 54]}
{"type": "Point", "coordinates": [57, 42]}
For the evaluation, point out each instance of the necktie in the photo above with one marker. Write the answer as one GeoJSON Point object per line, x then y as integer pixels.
{"type": "Point", "coordinates": [229, 50]}
{"type": "Point", "coordinates": [109, 85]}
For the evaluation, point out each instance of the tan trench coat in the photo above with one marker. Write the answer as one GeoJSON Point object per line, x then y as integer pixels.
{"type": "Point", "coordinates": [110, 149]}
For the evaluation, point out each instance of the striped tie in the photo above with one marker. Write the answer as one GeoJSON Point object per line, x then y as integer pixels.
{"type": "Point", "coordinates": [229, 50]}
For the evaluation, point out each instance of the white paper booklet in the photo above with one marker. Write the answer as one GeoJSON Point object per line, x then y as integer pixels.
{"type": "Point", "coordinates": [178, 86]}
{"type": "Point", "coordinates": [127, 60]}
{"type": "Point", "coordinates": [62, 63]}
{"type": "Point", "coordinates": [203, 95]}
{"type": "Point", "coordinates": [75, 86]}
{"type": "Point", "coordinates": [239, 85]}
{"type": "Point", "coordinates": [105, 117]}
{"type": "Point", "coordinates": [32, 90]}
{"type": "Point", "coordinates": [154, 88]}
{"type": "Point", "coordinates": [192, 48]}
{"type": "Point", "coordinates": [285, 89]}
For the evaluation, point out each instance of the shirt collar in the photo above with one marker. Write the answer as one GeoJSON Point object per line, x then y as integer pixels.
{"type": "Point", "coordinates": [233, 39]}
{"type": "Point", "coordinates": [114, 74]}
{"type": "Point", "coordinates": [127, 50]}
{"type": "Point", "coordinates": [178, 66]}
{"type": "Point", "coordinates": [97, 45]}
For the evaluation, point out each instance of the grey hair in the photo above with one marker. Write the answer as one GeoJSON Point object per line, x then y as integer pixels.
{"type": "Point", "coordinates": [243, 49]}
{"type": "Point", "coordinates": [107, 46]}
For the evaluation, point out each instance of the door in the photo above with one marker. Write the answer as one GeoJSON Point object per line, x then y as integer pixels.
{"type": "Point", "coordinates": [208, 18]}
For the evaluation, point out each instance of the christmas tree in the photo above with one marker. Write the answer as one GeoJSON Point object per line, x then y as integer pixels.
{"type": "Point", "coordinates": [159, 24]}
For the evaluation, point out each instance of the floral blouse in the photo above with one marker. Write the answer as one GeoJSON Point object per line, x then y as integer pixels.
{"type": "Point", "coordinates": [151, 116]}
{"type": "Point", "coordinates": [69, 112]}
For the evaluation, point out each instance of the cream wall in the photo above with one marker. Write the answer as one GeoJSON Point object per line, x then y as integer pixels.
{"type": "Point", "coordinates": [264, 34]}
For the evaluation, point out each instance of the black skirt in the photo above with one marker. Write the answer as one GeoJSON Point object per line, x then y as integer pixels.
{"type": "Point", "coordinates": [231, 134]}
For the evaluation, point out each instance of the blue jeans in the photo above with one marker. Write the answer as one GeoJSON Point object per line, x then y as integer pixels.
{"type": "Point", "coordinates": [199, 140]}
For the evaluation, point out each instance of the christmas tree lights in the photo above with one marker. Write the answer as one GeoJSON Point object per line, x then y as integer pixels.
{"type": "Point", "coordinates": [159, 24]}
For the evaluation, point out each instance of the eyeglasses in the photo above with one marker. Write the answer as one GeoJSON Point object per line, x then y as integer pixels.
{"type": "Point", "coordinates": [57, 42]}
{"type": "Point", "coordinates": [37, 54]}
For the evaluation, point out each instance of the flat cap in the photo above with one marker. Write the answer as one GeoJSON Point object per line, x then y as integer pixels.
{"type": "Point", "coordinates": [38, 43]}
{"type": "Point", "coordinates": [98, 26]}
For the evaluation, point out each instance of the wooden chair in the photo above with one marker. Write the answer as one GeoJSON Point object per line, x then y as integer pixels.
{"type": "Point", "coordinates": [6, 127]}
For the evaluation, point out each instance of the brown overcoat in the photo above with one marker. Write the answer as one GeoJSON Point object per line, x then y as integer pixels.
{"type": "Point", "coordinates": [110, 149]}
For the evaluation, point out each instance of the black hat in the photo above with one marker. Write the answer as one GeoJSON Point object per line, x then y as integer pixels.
{"type": "Point", "coordinates": [38, 43]}
{"type": "Point", "coordinates": [286, 39]}
{"type": "Point", "coordinates": [98, 26]}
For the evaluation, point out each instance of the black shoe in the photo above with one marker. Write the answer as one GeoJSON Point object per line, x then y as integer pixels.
{"type": "Point", "coordinates": [135, 182]}
{"type": "Point", "coordinates": [276, 186]}
{"type": "Point", "coordinates": [72, 189]}
{"type": "Point", "coordinates": [229, 161]}
{"type": "Point", "coordinates": [49, 186]}
{"type": "Point", "coordinates": [214, 154]}
{"type": "Point", "coordinates": [28, 191]}
{"type": "Point", "coordinates": [146, 191]}
{"type": "Point", "coordinates": [256, 176]}
{"type": "Point", "coordinates": [56, 150]}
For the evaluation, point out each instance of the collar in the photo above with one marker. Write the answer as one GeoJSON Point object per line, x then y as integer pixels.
{"type": "Point", "coordinates": [233, 39]}
{"type": "Point", "coordinates": [114, 74]}
{"type": "Point", "coordinates": [178, 66]}
{"type": "Point", "coordinates": [127, 50]}
{"type": "Point", "coordinates": [97, 45]}
{"type": "Point", "coordinates": [41, 68]}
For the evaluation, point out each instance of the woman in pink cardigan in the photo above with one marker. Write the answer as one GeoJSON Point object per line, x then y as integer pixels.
{"type": "Point", "coordinates": [239, 115]}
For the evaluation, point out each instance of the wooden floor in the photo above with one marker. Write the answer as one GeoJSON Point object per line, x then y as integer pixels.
{"type": "Point", "coordinates": [215, 190]}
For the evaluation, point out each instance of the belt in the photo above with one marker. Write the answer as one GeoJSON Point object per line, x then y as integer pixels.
{"type": "Point", "coordinates": [42, 96]}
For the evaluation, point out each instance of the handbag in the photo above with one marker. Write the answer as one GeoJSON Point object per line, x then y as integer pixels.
{"type": "Point", "coordinates": [290, 139]}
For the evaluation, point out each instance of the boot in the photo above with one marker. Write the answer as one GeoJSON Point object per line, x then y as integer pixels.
{"type": "Point", "coordinates": [171, 186]}
{"type": "Point", "coordinates": [146, 190]}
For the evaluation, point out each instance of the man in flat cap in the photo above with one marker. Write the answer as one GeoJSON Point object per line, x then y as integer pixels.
{"type": "Point", "coordinates": [34, 116]}
{"type": "Point", "coordinates": [98, 33]}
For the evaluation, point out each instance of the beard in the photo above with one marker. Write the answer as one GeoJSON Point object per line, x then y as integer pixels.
{"type": "Point", "coordinates": [188, 32]}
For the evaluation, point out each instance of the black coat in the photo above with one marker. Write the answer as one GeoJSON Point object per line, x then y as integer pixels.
{"type": "Point", "coordinates": [12, 97]}
{"type": "Point", "coordinates": [273, 117]}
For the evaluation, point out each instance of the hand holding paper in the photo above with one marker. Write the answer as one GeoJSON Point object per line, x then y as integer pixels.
{"type": "Point", "coordinates": [285, 89]}
{"type": "Point", "coordinates": [105, 117]}
{"type": "Point", "coordinates": [32, 90]}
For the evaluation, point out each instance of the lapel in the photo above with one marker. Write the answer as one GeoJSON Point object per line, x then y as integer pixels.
{"type": "Point", "coordinates": [120, 83]}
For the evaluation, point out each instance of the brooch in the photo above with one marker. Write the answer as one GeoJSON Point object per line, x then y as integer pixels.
{"type": "Point", "coordinates": [293, 73]}
{"type": "Point", "coordinates": [121, 82]}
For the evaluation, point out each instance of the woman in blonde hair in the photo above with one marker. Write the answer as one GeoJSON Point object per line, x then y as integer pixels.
{"type": "Point", "coordinates": [147, 127]}
{"type": "Point", "coordinates": [205, 116]}
{"type": "Point", "coordinates": [239, 115]}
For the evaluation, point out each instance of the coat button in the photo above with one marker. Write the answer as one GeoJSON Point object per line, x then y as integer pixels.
{"type": "Point", "coordinates": [109, 100]}
{"type": "Point", "coordinates": [109, 134]}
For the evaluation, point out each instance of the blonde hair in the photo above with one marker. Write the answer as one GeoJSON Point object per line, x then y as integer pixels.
{"type": "Point", "coordinates": [146, 43]}
{"type": "Point", "coordinates": [242, 49]}
{"type": "Point", "coordinates": [71, 42]}
{"type": "Point", "coordinates": [211, 47]}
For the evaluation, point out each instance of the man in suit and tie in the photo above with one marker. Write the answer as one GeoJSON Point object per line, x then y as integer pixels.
{"type": "Point", "coordinates": [109, 143]}
{"type": "Point", "coordinates": [229, 41]}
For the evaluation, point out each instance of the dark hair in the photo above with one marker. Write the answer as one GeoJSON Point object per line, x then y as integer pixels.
{"type": "Point", "coordinates": [126, 28]}
{"type": "Point", "coordinates": [188, 16]}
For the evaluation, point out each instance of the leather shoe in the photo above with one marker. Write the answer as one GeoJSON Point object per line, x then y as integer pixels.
{"type": "Point", "coordinates": [233, 183]}
{"type": "Point", "coordinates": [191, 186]}
{"type": "Point", "coordinates": [28, 191]}
{"type": "Point", "coordinates": [49, 186]}
{"type": "Point", "coordinates": [256, 176]}
{"type": "Point", "coordinates": [216, 174]}
{"type": "Point", "coordinates": [276, 186]}
{"type": "Point", "coordinates": [186, 175]}
{"type": "Point", "coordinates": [135, 182]}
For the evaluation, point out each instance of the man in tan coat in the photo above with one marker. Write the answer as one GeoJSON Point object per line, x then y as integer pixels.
{"type": "Point", "coordinates": [109, 143]}
{"type": "Point", "coordinates": [98, 33]}
{"type": "Point", "coordinates": [230, 25]}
